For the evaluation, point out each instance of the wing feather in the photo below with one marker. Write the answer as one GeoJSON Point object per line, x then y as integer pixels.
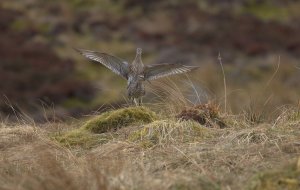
{"type": "Point", "coordinates": [153, 72]}
{"type": "Point", "coordinates": [113, 63]}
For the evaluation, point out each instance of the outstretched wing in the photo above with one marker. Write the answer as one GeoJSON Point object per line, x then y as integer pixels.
{"type": "Point", "coordinates": [113, 63]}
{"type": "Point", "coordinates": [162, 70]}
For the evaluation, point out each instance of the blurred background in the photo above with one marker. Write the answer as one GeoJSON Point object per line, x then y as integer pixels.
{"type": "Point", "coordinates": [42, 76]}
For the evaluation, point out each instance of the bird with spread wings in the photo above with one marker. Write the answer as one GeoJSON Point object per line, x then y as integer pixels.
{"type": "Point", "coordinates": [136, 73]}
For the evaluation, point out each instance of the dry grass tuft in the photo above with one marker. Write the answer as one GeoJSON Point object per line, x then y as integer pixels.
{"type": "Point", "coordinates": [14, 136]}
{"type": "Point", "coordinates": [166, 132]}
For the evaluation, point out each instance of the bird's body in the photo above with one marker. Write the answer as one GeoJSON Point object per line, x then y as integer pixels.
{"type": "Point", "coordinates": [135, 89]}
{"type": "Point", "coordinates": [135, 73]}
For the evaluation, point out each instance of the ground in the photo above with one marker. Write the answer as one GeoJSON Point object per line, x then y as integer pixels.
{"type": "Point", "coordinates": [152, 151]}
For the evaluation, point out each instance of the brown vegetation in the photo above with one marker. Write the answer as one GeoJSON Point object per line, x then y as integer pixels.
{"type": "Point", "coordinates": [205, 114]}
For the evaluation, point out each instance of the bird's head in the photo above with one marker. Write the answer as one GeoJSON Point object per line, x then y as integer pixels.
{"type": "Point", "coordinates": [139, 51]}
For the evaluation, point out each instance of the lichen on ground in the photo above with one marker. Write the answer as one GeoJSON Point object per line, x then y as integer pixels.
{"type": "Point", "coordinates": [124, 117]}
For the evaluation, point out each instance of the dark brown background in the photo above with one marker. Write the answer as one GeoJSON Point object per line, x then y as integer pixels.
{"type": "Point", "coordinates": [40, 73]}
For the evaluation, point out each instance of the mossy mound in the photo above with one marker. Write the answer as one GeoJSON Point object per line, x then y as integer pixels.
{"type": "Point", "coordinates": [167, 131]}
{"type": "Point", "coordinates": [286, 178]}
{"type": "Point", "coordinates": [113, 120]}
{"type": "Point", "coordinates": [82, 138]}
{"type": "Point", "coordinates": [89, 136]}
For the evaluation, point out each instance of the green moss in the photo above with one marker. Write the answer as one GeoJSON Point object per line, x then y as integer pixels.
{"type": "Point", "coordinates": [81, 137]}
{"type": "Point", "coordinates": [267, 11]}
{"type": "Point", "coordinates": [285, 178]}
{"type": "Point", "coordinates": [19, 25]}
{"type": "Point", "coordinates": [201, 183]}
{"type": "Point", "coordinates": [113, 7]}
{"type": "Point", "coordinates": [168, 131]}
{"type": "Point", "coordinates": [119, 118]}
{"type": "Point", "coordinates": [75, 103]}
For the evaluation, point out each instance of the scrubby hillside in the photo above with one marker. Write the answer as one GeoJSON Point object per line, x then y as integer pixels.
{"type": "Point", "coordinates": [42, 71]}
{"type": "Point", "coordinates": [136, 148]}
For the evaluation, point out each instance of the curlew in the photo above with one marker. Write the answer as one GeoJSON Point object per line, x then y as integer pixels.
{"type": "Point", "coordinates": [135, 73]}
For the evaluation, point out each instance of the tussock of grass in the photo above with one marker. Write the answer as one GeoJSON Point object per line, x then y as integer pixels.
{"type": "Point", "coordinates": [10, 137]}
{"type": "Point", "coordinates": [284, 178]}
{"type": "Point", "coordinates": [255, 135]}
{"type": "Point", "coordinates": [113, 120]}
{"type": "Point", "coordinates": [163, 132]}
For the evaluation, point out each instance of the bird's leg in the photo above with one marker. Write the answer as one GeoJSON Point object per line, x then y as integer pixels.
{"type": "Point", "coordinates": [135, 102]}
{"type": "Point", "coordinates": [131, 100]}
{"type": "Point", "coordinates": [140, 101]}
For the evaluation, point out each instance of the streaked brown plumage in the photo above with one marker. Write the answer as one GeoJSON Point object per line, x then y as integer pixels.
{"type": "Point", "coordinates": [135, 73]}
